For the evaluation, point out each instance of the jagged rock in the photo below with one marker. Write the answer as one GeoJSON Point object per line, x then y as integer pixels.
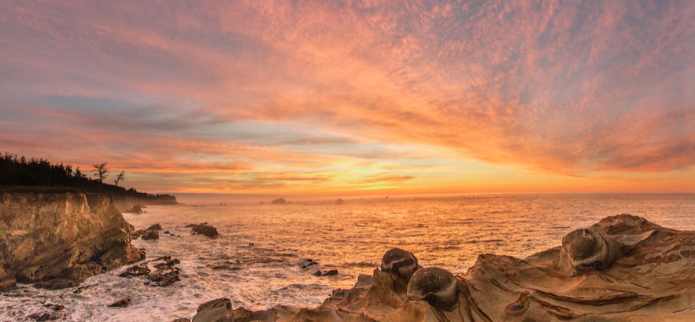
{"type": "Point", "coordinates": [124, 302]}
{"type": "Point", "coordinates": [165, 273]}
{"type": "Point", "coordinates": [219, 310]}
{"type": "Point", "coordinates": [646, 275]}
{"type": "Point", "coordinates": [136, 270]}
{"type": "Point", "coordinates": [204, 229]}
{"type": "Point", "coordinates": [60, 239]}
{"type": "Point", "coordinates": [279, 201]}
{"type": "Point", "coordinates": [137, 209]}
{"type": "Point", "coordinates": [332, 272]}
{"type": "Point", "coordinates": [150, 235]}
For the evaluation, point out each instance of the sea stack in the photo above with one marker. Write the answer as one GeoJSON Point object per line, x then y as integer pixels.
{"type": "Point", "coordinates": [279, 201]}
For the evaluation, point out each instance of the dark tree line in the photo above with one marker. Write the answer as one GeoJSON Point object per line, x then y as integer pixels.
{"type": "Point", "coordinates": [18, 171]}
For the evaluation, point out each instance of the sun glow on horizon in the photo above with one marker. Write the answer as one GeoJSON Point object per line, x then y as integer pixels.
{"type": "Point", "coordinates": [324, 98]}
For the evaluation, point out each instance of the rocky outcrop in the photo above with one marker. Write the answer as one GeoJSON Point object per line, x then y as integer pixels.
{"type": "Point", "coordinates": [58, 239]}
{"type": "Point", "coordinates": [203, 229]}
{"type": "Point", "coordinates": [135, 209]}
{"type": "Point", "coordinates": [158, 272]}
{"type": "Point", "coordinates": [624, 268]}
{"type": "Point", "coordinates": [279, 201]}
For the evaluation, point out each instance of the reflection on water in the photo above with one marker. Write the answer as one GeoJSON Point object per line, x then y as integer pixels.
{"type": "Point", "coordinates": [256, 260]}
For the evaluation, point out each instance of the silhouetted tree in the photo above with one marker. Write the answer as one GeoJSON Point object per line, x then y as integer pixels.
{"type": "Point", "coordinates": [101, 172]}
{"type": "Point", "coordinates": [120, 177]}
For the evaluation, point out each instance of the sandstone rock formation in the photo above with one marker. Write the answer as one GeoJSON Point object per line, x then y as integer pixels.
{"type": "Point", "coordinates": [624, 268]}
{"type": "Point", "coordinates": [58, 239]}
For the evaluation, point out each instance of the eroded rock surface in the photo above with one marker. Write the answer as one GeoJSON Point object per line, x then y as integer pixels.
{"type": "Point", "coordinates": [59, 239]}
{"type": "Point", "coordinates": [624, 268]}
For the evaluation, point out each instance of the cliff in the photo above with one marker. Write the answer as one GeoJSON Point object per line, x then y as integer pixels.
{"type": "Point", "coordinates": [623, 268]}
{"type": "Point", "coordinates": [58, 238]}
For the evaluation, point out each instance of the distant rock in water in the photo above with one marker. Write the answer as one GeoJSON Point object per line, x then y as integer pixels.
{"type": "Point", "coordinates": [59, 239]}
{"type": "Point", "coordinates": [135, 210]}
{"type": "Point", "coordinates": [339, 202]}
{"type": "Point", "coordinates": [150, 235]}
{"type": "Point", "coordinates": [624, 268]}
{"type": "Point", "coordinates": [279, 201]}
{"type": "Point", "coordinates": [204, 229]}
{"type": "Point", "coordinates": [155, 227]}
{"type": "Point", "coordinates": [262, 203]}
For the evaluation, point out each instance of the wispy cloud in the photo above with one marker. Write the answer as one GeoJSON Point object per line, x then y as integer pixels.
{"type": "Point", "coordinates": [275, 88]}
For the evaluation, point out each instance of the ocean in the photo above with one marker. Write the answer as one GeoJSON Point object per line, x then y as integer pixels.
{"type": "Point", "coordinates": [256, 261]}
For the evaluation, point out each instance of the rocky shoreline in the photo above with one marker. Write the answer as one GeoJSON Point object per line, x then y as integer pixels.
{"type": "Point", "coordinates": [623, 268]}
{"type": "Point", "coordinates": [56, 240]}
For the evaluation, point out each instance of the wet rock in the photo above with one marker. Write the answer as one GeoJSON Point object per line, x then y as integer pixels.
{"type": "Point", "coordinates": [399, 262]}
{"type": "Point", "coordinates": [181, 320]}
{"type": "Point", "coordinates": [204, 229]}
{"type": "Point", "coordinates": [137, 233]}
{"type": "Point", "coordinates": [165, 273]}
{"type": "Point", "coordinates": [332, 272]}
{"type": "Point", "coordinates": [124, 302]}
{"type": "Point", "coordinates": [307, 263]}
{"type": "Point", "coordinates": [137, 270]}
{"type": "Point", "coordinates": [219, 310]}
{"type": "Point", "coordinates": [137, 209]}
{"type": "Point", "coordinates": [166, 232]}
{"type": "Point", "coordinates": [435, 285]}
{"type": "Point", "coordinates": [43, 316]}
{"type": "Point", "coordinates": [150, 235]}
{"type": "Point", "coordinates": [279, 201]}
{"type": "Point", "coordinates": [56, 307]}
{"type": "Point", "coordinates": [155, 227]}
{"type": "Point", "coordinates": [86, 235]}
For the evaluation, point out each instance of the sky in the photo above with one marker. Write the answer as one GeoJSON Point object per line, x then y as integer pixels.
{"type": "Point", "coordinates": [355, 98]}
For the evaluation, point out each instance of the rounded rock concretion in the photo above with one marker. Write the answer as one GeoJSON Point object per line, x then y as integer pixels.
{"type": "Point", "coordinates": [585, 248]}
{"type": "Point", "coordinates": [399, 262]}
{"type": "Point", "coordinates": [435, 285]}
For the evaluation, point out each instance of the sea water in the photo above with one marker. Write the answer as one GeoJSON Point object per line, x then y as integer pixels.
{"type": "Point", "coordinates": [256, 259]}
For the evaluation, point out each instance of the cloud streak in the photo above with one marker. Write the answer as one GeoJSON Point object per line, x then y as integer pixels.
{"type": "Point", "coordinates": [568, 88]}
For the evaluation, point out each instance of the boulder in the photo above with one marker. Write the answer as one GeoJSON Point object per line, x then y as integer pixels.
{"type": "Point", "coordinates": [150, 235]}
{"type": "Point", "coordinates": [155, 227]}
{"type": "Point", "coordinates": [219, 310]}
{"type": "Point", "coordinates": [204, 229]}
{"type": "Point", "coordinates": [59, 239]}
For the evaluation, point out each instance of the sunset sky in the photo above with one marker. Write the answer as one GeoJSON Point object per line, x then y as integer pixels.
{"type": "Point", "coordinates": [355, 98]}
